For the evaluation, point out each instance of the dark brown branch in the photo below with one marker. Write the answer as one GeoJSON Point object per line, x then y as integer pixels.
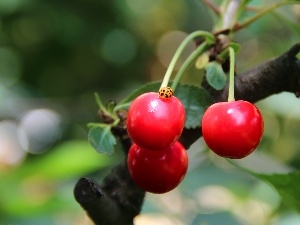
{"type": "Point", "coordinates": [119, 200]}
{"type": "Point", "coordinates": [271, 77]}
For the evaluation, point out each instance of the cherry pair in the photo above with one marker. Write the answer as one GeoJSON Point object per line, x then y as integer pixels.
{"type": "Point", "coordinates": [157, 162]}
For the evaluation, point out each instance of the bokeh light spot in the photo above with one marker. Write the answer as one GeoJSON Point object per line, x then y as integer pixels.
{"type": "Point", "coordinates": [118, 47]}
{"type": "Point", "coordinates": [141, 7]}
{"type": "Point", "coordinates": [9, 6]}
{"type": "Point", "coordinates": [42, 128]}
{"type": "Point", "coordinates": [11, 152]}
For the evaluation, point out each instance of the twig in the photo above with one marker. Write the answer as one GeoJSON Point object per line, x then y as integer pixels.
{"type": "Point", "coordinates": [262, 13]}
{"type": "Point", "coordinates": [214, 8]}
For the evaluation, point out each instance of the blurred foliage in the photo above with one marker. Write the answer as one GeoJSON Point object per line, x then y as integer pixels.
{"type": "Point", "coordinates": [55, 54]}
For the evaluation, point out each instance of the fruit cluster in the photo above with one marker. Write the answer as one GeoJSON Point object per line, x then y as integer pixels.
{"type": "Point", "coordinates": [157, 162]}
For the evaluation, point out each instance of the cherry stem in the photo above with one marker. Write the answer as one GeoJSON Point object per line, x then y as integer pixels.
{"type": "Point", "coordinates": [231, 75]}
{"type": "Point", "coordinates": [180, 49]}
{"type": "Point", "coordinates": [199, 50]}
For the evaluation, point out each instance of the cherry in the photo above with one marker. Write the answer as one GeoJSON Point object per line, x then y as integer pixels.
{"type": "Point", "coordinates": [155, 122]}
{"type": "Point", "coordinates": [157, 171]}
{"type": "Point", "coordinates": [232, 129]}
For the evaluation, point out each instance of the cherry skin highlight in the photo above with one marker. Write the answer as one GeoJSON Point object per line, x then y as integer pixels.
{"type": "Point", "coordinates": [232, 129]}
{"type": "Point", "coordinates": [154, 122]}
{"type": "Point", "coordinates": [158, 171]}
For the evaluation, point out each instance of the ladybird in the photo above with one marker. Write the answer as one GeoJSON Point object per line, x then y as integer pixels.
{"type": "Point", "coordinates": [165, 92]}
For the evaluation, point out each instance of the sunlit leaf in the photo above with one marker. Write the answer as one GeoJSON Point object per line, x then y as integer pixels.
{"type": "Point", "coordinates": [202, 60]}
{"type": "Point", "coordinates": [69, 159]}
{"type": "Point", "coordinates": [280, 176]}
{"type": "Point", "coordinates": [102, 140]}
{"type": "Point", "coordinates": [215, 75]}
{"type": "Point", "coordinates": [260, 163]}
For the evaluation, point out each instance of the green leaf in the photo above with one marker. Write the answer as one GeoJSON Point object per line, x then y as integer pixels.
{"type": "Point", "coordinates": [236, 47]}
{"type": "Point", "coordinates": [110, 106]}
{"type": "Point", "coordinates": [153, 86]}
{"type": "Point", "coordinates": [278, 175]}
{"type": "Point", "coordinates": [195, 100]}
{"type": "Point", "coordinates": [215, 75]}
{"type": "Point", "coordinates": [102, 140]}
{"type": "Point", "coordinates": [209, 40]}
{"type": "Point", "coordinates": [287, 186]}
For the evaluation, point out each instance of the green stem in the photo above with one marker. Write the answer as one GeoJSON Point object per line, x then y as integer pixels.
{"type": "Point", "coordinates": [99, 103]}
{"type": "Point", "coordinates": [180, 50]}
{"type": "Point", "coordinates": [231, 75]}
{"type": "Point", "coordinates": [92, 125]}
{"type": "Point", "coordinates": [104, 109]}
{"type": "Point", "coordinates": [264, 12]}
{"type": "Point", "coordinates": [122, 106]}
{"type": "Point", "coordinates": [103, 125]}
{"type": "Point", "coordinates": [199, 50]}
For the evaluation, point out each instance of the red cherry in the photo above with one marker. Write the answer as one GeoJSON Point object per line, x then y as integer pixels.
{"type": "Point", "coordinates": [232, 129]}
{"type": "Point", "coordinates": [154, 122]}
{"type": "Point", "coordinates": [158, 171]}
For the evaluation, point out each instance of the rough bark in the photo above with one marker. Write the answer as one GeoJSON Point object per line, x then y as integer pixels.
{"type": "Point", "coordinates": [118, 200]}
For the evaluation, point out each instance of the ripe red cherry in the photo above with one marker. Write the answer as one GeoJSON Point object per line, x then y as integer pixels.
{"type": "Point", "coordinates": [158, 171]}
{"type": "Point", "coordinates": [232, 129]}
{"type": "Point", "coordinates": [154, 122]}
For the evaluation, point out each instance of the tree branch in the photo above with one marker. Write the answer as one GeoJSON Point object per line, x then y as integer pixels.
{"type": "Point", "coordinates": [119, 200]}
{"type": "Point", "coordinates": [271, 77]}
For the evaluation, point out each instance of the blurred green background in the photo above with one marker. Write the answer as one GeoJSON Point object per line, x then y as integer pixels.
{"type": "Point", "coordinates": [55, 54]}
